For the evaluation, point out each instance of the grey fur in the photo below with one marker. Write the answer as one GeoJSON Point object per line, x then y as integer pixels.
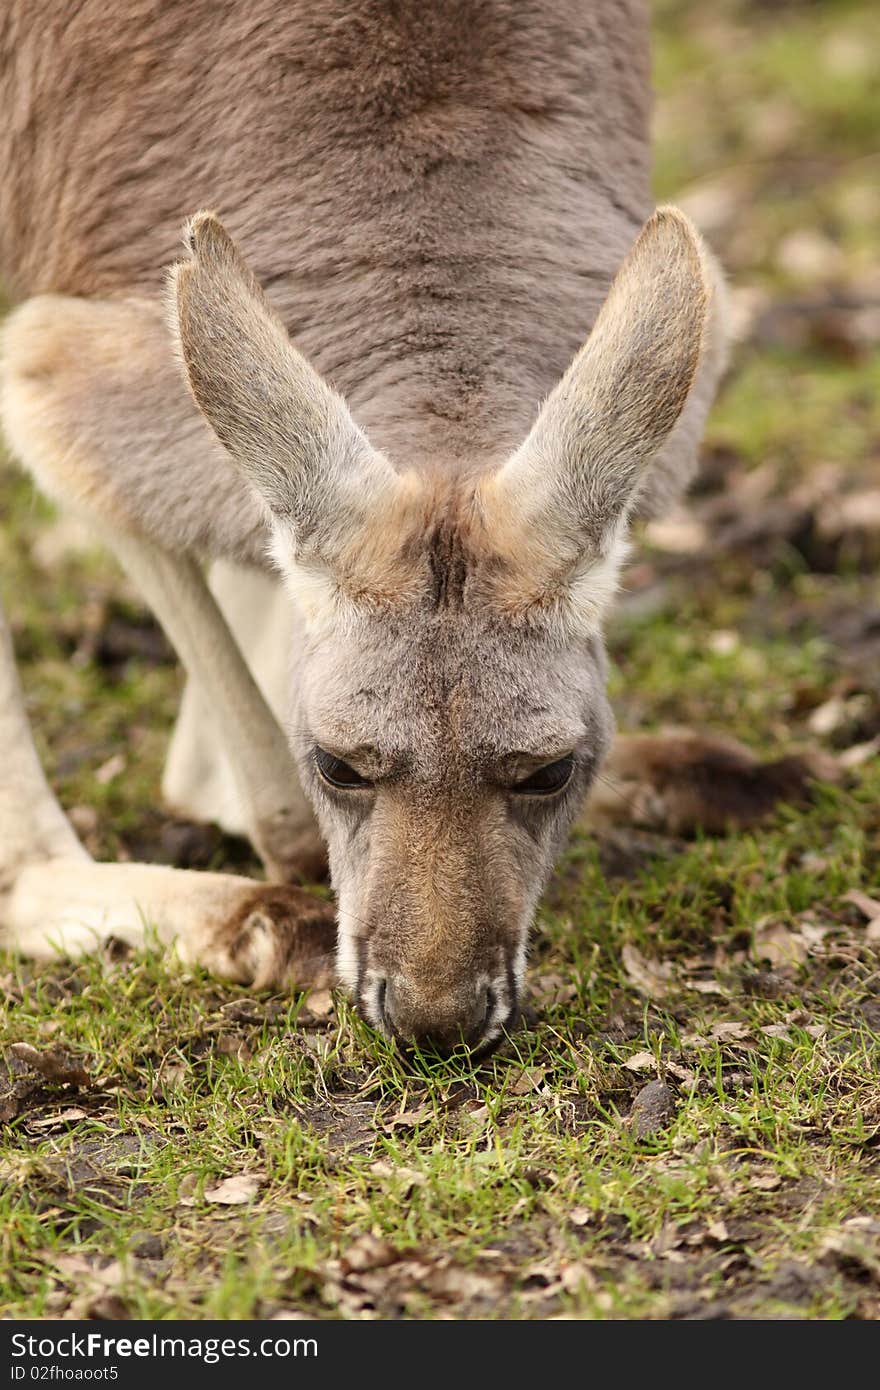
{"type": "Point", "coordinates": [436, 199]}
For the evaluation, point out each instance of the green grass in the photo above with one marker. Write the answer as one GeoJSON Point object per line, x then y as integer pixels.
{"type": "Point", "coordinates": [526, 1175]}
{"type": "Point", "coordinates": [521, 1189]}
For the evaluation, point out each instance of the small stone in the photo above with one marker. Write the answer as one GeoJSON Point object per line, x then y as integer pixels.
{"type": "Point", "coordinates": [147, 1246]}
{"type": "Point", "coordinates": [652, 1109]}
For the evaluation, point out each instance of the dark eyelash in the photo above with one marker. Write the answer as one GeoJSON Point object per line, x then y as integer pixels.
{"type": "Point", "coordinates": [338, 773]}
{"type": "Point", "coordinates": [547, 780]}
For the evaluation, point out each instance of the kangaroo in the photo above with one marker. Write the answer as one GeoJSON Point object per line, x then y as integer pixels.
{"type": "Point", "coordinates": [502, 358]}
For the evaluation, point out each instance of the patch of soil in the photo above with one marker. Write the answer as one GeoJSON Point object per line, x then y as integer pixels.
{"type": "Point", "coordinates": [32, 1076]}
{"type": "Point", "coordinates": [625, 853]}
{"type": "Point", "coordinates": [88, 1173]}
{"type": "Point", "coordinates": [162, 839]}
{"type": "Point", "coordinates": [345, 1126]}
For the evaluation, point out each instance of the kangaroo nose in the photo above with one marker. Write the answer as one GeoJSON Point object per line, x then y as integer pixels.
{"type": "Point", "coordinates": [443, 1023]}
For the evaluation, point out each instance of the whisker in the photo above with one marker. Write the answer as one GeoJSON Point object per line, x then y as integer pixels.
{"type": "Point", "coordinates": [612, 786]}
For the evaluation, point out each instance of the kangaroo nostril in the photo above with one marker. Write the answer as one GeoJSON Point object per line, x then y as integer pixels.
{"type": "Point", "coordinates": [444, 1022]}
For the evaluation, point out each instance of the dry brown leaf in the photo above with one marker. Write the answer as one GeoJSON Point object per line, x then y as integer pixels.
{"type": "Point", "coordinates": [808, 255]}
{"type": "Point", "coordinates": [530, 1079]}
{"type": "Point", "coordinates": [581, 1216]}
{"type": "Point", "coordinates": [63, 1117]}
{"type": "Point", "coordinates": [319, 1003]}
{"type": "Point", "coordinates": [869, 907]}
{"type": "Point", "coordinates": [172, 1073]}
{"type": "Point", "coordinates": [234, 1046]}
{"type": "Point", "coordinates": [708, 987]}
{"type": "Point", "coordinates": [461, 1285]}
{"type": "Point", "coordinates": [777, 1030]}
{"type": "Point", "coordinates": [575, 1276]}
{"type": "Point", "coordinates": [667, 1240]}
{"type": "Point", "coordinates": [409, 1119]}
{"type": "Point", "coordinates": [863, 1223]}
{"type": "Point", "coordinates": [828, 717]}
{"type": "Point", "coordinates": [682, 1074]}
{"type": "Point", "coordinates": [680, 533]}
{"type": "Point", "coordinates": [552, 987]}
{"type": "Point", "coordinates": [186, 1190]}
{"type": "Point", "coordinates": [859, 754]}
{"type": "Point", "coordinates": [382, 1168]}
{"type": "Point", "coordinates": [475, 1119]}
{"type": "Point", "coordinates": [773, 941]}
{"type": "Point", "coordinates": [767, 1182]}
{"type": "Point", "coordinates": [851, 511]}
{"type": "Point", "coordinates": [110, 770]}
{"type": "Point", "coordinates": [641, 1061]}
{"type": "Point", "coordinates": [88, 1275]}
{"type": "Point", "coordinates": [724, 642]}
{"type": "Point", "coordinates": [54, 1064]}
{"type": "Point", "coordinates": [729, 1032]}
{"type": "Point", "coordinates": [235, 1191]}
{"type": "Point", "coordinates": [853, 1253]}
{"type": "Point", "coordinates": [812, 933]}
{"type": "Point", "coordinates": [651, 978]}
{"type": "Point", "coordinates": [72, 1266]}
{"type": "Point", "coordinates": [368, 1252]}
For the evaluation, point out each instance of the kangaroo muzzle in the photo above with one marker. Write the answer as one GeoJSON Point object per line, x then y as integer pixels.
{"type": "Point", "coordinates": [422, 1003]}
{"type": "Point", "coordinates": [462, 1018]}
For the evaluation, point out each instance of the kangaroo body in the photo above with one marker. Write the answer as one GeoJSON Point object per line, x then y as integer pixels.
{"type": "Point", "coordinates": [435, 200]}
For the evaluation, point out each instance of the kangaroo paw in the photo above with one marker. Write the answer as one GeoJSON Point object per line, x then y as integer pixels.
{"type": "Point", "coordinates": [276, 938]}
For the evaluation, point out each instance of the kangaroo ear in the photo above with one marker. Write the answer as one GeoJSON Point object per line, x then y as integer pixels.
{"type": "Point", "coordinates": [565, 496]}
{"type": "Point", "coordinates": [282, 424]}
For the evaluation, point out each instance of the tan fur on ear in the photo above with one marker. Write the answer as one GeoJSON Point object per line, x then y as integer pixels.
{"type": "Point", "coordinates": [291, 434]}
{"type": "Point", "coordinates": [633, 375]}
{"type": "Point", "coordinates": [563, 499]}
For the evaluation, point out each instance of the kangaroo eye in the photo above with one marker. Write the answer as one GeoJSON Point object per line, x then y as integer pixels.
{"type": "Point", "coordinates": [338, 773]}
{"type": "Point", "coordinates": [547, 780]}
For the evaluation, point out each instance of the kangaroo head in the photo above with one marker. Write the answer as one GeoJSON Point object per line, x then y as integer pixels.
{"type": "Point", "coordinates": [448, 707]}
